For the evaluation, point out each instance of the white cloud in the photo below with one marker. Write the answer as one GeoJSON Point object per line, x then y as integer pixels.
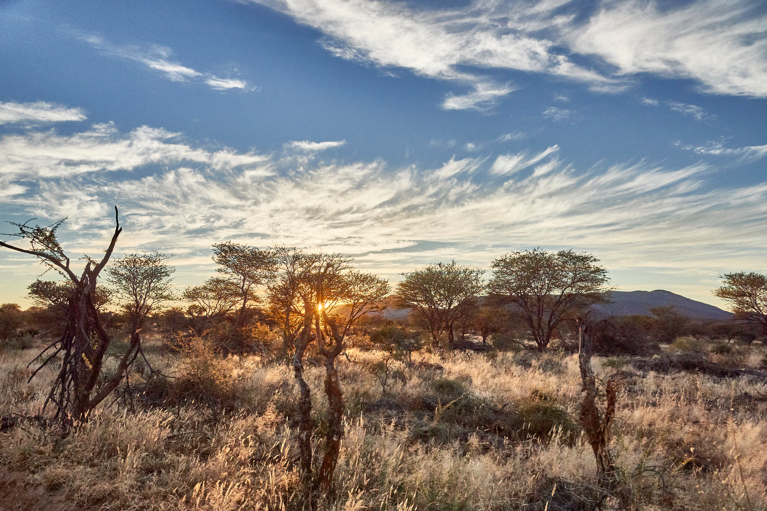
{"type": "Point", "coordinates": [224, 83]}
{"type": "Point", "coordinates": [435, 44]}
{"type": "Point", "coordinates": [693, 110]}
{"type": "Point", "coordinates": [559, 114]}
{"type": "Point", "coordinates": [721, 44]}
{"type": "Point", "coordinates": [484, 97]}
{"type": "Point", "coordinates": [307, 146]}
{"type": "Point", "coordinates": [158, 58]}
{"type": "Point", "coordinates": [744, 154]}
{"type": "Point", "coordinates": [473, 209]}
{"type": "Point", "coordinates": [38, 113]}
{"type": "Point", "coordinates": [508, 164]}
{"type": "Point", "coordinates": [649, 101]}
{"type": "Point", "coordinates": [46, 154]}
{"type": "Point", "coordinates": [508, 137]}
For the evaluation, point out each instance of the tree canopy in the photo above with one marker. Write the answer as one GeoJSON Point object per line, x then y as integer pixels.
{"type": "Point", "coordinates": [141, 283]}
{"type": "Point", "coordinates": [440, 294]}
{"type": "Point", "coordinates": [547, 287]}
{"type": "Point", "coordinates": [747, 296]}
{"type": "Point", "coordinates": [246, 266]}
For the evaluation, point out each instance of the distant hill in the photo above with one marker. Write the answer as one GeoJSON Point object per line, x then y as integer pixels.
{"type": "Point", "coordinates": [630, 303]}
{"type": "Point", "coordinates": [639, 303]}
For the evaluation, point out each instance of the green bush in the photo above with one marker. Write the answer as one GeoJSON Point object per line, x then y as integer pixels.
{"type": "Point", "coordinates": [541, 418]}
{"type": "Point", "coordinates": [11, 320]}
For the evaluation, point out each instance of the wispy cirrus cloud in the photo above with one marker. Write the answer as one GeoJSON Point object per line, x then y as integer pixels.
{"type": "Point", "coordinates": [698, 113]}
{"type": "Point", "coordinates": [308, 146]}
{"type": "Point", "coordinates": [440, 43]}
{"type": "Point", "coordinates": [692, 110]}
{"type": "Point", "coordinates": [39, 112]}
{"type": "Point", "coordinates": [473, 209]}
{"type": "Point", "coordinates": [559, 114]}
{"type": "Point", "coordinates": [743, 154]}
{"type": "Point", "coordinates": [47, 154]}
{"type": "Point", "coordinates": [160, 59]}
{"type": "Point", "coordinates": [721, 44]}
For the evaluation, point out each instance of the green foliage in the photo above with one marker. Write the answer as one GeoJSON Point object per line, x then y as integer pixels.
{"type": "Point", "coordinates": [245, 267]}
{"type": "Point", "coordinates": [440, 294]}
{"type": "Point", "coordinates": [503, 341]}
{"type": "Point", "coordinates": [670, 325]}
{"type": "Point", "coordinates": [627, 335]}
{"type": "Point", "coordinates": [747, 295]}
{"type": "Point", "coordinates": [543, 418]}
{"type": "Point", "coordinates": [11, 320]}
{"type": "Point", "coordinates": [547, 287]}
{"type": "Point", "coordinates": [447, 389]}
{"type": "Point", "coordinates": [142, 282]}
{"type": "Point", "coordinates": [398, 341]}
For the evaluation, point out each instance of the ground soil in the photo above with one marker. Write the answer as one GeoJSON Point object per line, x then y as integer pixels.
{"type": "Point", "coordinates": [20, 492]}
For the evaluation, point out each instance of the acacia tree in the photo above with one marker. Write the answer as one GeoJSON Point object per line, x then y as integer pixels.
{"type": "Point", "coordinates": [329, 297]}
{"type": "Point", "coordinates": [289, 283]}
{"type": "Point", "coordinates": [747, 295]}
{"type": "Point", "coordinates": [211, 301]}
{"type": "Point", "coordinates": [440, 294]}
{"type": "Point", "coordinates": [547, 287]}
{"type": "Point", "coordinates": [141, 282]}
{"type": "Point", "coordinates": [84, 342]}
{"type": "Point", "coordinates": [52, 300]}
{"type": "Point", "coordinates": [247, 267]}
{"type": "Point", "coordinates": [358, 294]}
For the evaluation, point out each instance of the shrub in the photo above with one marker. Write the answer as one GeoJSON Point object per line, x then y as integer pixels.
{"type": "Point", "coordinates": [630, 335]}
{"type": "Point", "coordinates": [11, 320]}
{"type": "Point", "coordinates": [398, 341]}
{"type": "Point", "coordinates": [206, 378]}
{"type": "Point", "coordinates": [447, 389]}
{"type": "Point", "coordinates": [505, 342]}
{"type": "Point", "coordinates": [543, 418]}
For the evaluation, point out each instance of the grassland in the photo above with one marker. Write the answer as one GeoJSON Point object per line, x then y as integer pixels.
{"type": "Point", "coordinates": [474, 431]}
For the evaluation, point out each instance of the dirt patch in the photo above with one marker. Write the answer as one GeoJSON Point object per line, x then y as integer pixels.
{"type": "Point", "coordinates": [19, 491]}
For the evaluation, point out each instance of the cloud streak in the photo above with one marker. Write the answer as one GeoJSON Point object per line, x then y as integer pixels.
{"type": "Point", "coordinates": [473, 209]}
{"type": "Point", "coordinates": [159, 58]}
{"type": "Point", "coordinates": [307, 146]}
{"type": "Point", "coordinates": [439, 44]}
{"type": "Point", "coordinates": [46, 154]}
{"type": "Point", "coordinates": [743, 154]}
{"type": "Point", "coordinates": [721, 44]}
{"type": "Point", "coordinates": [39, 112]}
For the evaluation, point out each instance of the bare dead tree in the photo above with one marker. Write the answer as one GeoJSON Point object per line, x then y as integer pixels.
{"type": "Point", "coordinates": [596, 423]}
{"type": "Point", "coordinates": [84, 342]}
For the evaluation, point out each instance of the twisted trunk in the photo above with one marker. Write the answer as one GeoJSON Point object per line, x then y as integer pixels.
{"type": "Point", "coordinates": [596, 426]}
{"type": "Point", "coordinates": [335, 427]}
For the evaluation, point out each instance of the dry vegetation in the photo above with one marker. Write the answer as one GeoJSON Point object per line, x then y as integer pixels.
{"type": "Point", "coordinates": [496, 430]}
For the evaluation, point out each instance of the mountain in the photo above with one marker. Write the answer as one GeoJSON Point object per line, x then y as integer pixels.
{"type": "Point", "coordinates": [630, 303]}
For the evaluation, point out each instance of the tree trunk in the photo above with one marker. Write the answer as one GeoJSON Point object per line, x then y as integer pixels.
{"type": "Point", "coordinates": [335, 427]}
{"type": "Point", "coordinates": [597, 428]}
{"type": "Point", "coordinates": [305, 422]}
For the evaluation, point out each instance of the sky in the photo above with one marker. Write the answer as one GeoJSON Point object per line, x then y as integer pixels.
{"type": "Point", "coordinates": [399, 133]}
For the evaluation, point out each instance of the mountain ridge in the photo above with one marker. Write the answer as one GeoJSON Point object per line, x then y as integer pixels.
{"type": "Point", "coordinates": [632, 303]}
{"type": "Point", "coordinates": [639, 303]}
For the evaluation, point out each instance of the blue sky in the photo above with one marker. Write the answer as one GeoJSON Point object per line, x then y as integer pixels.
{"type": "Point", "coordinates": [401, 133]}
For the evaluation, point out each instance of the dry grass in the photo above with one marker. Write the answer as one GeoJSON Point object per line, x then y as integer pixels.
{"type": "Point", "coordinates": [483, 432]}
